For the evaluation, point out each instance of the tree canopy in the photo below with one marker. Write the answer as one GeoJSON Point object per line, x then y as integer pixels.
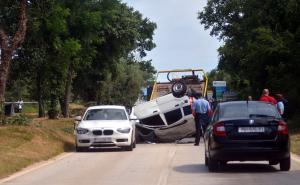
{"type": "Point", "coordinates": [80, 50]}
{"type": "Point", "coordinates": [261, 43]}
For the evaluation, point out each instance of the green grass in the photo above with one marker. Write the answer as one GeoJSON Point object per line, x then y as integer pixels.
{"type": "Point", "coordinates": [294, 128]}
{"type": "Point", "coordinates": [21, 146]}
{"type": "Point", "coordinates": [30, 108]}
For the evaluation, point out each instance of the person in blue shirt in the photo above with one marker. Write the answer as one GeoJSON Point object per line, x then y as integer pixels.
{"type": "Point", "coordinates": [202, 109]}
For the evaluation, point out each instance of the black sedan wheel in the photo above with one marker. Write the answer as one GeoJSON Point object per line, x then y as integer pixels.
{"type": "Point", "coordinates": [206, 159]}
{"type": "Point", "coordinates": [285, 164]}
{"type": "Point", "coordinates": [213, 165]}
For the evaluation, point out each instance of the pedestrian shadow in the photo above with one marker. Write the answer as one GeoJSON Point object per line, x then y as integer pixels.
{"type": "Point", "coordinates": [229, 168]}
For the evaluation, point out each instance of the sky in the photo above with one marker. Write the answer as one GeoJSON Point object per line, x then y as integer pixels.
{"type": "Point", "coordinates": [181, 41]}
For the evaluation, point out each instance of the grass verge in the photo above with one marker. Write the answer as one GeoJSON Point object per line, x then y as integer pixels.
{"type": "Point", "coordinates": [21, 146]}
{"type": "Point", "coordinates": [294, 127]}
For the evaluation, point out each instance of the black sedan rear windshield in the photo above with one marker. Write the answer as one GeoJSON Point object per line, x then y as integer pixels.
{"type": "Point", "coordinates": [251, 110]}
{"type": "Point", "coordinates": [105, 114]}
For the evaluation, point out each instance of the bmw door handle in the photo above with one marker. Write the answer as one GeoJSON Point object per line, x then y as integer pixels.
{"type": "Point", "coordinates": [155, 111]}
{"type": "Point", "coordinates": [177, 105]}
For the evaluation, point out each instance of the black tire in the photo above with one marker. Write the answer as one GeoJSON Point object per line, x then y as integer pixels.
{"type": "Point", "coordinates": [273, 162]}
{"type": "Point", "coordinates": [285, 164]}
{"type": "Point", "coordinates": [212, 165]}
{"type": "Point", "coordinates": [81, 149]}
{"type": "Point", "coordinates": [223, 163]}
{"type": "Point", "coordinates": [134, 144]}
{"type": "Point", "coordinates": [206, 160]}
{"type": "Point", "coordinates": [179, 89]}
{"type": "Point", "coordinates": [130, 147]}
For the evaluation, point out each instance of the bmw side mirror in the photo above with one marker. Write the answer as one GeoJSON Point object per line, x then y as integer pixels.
{"type": "Point", "coordinates": [133, 118]}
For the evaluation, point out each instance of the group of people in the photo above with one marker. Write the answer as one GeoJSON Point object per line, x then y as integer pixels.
{"type": "Point", "coordinates": [278, 101]}
{"type": "Point", "coordinates": [203, 111]}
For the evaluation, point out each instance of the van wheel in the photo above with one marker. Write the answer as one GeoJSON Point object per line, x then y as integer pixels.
{"type": "Point", "coordinates": [179, 89]}
{"type": "Point", "coordinates": [285, 164]}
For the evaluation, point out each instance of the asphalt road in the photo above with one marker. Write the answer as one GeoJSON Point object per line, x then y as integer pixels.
{"type": "Point", "coordinates": [153, 164]}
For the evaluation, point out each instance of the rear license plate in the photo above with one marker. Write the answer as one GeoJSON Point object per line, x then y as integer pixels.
{"type": "Point", "coordinates": [103, 139]}
{"type": "Point", "coordinates": [251, 129]}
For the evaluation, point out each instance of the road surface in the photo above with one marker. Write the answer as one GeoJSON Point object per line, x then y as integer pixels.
{"type": "Point", "coordinates": [153, 164]}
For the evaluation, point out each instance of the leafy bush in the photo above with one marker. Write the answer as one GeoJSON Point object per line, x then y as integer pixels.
{"type": "Point", "coordinates": [53, 113]}
{"type": "Point", "coordinates": [19, 119]}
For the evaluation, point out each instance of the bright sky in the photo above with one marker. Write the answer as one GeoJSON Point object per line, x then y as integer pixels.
{"type": "Point", "coordinates": [181, 40]}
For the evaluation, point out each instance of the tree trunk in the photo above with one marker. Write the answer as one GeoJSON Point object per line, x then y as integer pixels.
{"type": "Point", "coordinates": [41, 109]}
{"type": "Point", "coordinates": [40, 99]}
{"type": "Point", "coordinates": [8, 46]}
{"type": "Point", "coordinates": [4, 69]}
{"type": "Point", "coordinates": [52, 112]}
{"type": "Point", "coordinates": [62, 106]}
{"type": "Point", "coordinates": [67, 95]}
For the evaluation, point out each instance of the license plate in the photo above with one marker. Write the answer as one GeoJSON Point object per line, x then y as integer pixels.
{"type": "Point", "coordinates": [251, 129]}
{"type": "Point", "coordinates": [102, 139]}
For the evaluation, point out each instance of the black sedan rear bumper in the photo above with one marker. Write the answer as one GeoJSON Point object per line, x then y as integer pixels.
{"type": "Point", "coordinates": [249, 154]}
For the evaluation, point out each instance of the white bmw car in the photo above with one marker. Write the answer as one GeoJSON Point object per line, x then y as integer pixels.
{"type": "Point", "coordinates": [104, 126]}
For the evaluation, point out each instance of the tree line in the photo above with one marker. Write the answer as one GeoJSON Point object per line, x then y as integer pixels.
{"type": "Point", "coordinates": [261, 45]}
{"type": "Point", "coordinates": [88, 50]}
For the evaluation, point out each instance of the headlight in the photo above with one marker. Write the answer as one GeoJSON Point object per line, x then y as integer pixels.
{"type": "Point", "coordinates": [124, 130]}
{"type": "Point", "coordinates": [82, 131]}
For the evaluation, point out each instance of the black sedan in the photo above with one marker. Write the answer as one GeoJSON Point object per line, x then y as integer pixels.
{"type": "Point", "coordinates": [247, 131]}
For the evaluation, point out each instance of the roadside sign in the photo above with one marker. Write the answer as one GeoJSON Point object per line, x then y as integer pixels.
{"type": "Point", "coordinates": [210, 95]}
{"type": "Point", "coordinates": [220, 89]}
{"type": "Point", "coordinates": [219, 83]}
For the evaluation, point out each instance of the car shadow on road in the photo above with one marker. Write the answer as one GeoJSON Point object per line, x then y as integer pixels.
{"type": "Point", "coordinates": [94, 150]}
{"type": "Point", "coordinates": [229, 168]}
{"type": "Point", "coordinates": [191, 168]}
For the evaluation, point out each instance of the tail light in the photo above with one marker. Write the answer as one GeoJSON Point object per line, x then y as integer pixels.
{"type": "Point", "coordinates": [219, 129]}
{"type": "Point", "coordinates": [282, 128]}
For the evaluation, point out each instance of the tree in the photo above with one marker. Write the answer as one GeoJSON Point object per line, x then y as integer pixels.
{"type": "Point", "coordinates": [76, 47]}
{"type": "Point", "coordinates": [125, 34]}
{"type": "Point", "coordinates": [8, 45]}
{"type": "Point", "coordinates": [261, 47]}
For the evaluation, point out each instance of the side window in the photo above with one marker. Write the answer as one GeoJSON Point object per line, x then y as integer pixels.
{"type": "Point", "coordinates": [215, 115]}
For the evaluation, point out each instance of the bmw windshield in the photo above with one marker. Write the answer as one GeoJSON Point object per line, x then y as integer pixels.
{"type": "Point", "coordinates": [105, 114]}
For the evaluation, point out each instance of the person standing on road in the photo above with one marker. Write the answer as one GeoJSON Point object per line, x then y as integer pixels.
{"type": "Point", "coordinates": [267, 98]}
{"type": "Point", "coordinates": [202, 110]}
{"type": "Point", "coordinates": [280, 104]}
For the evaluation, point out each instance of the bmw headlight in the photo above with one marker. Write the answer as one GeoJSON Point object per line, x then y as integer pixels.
{"type": "Point", "coordinates": [82, 131]}
{"type": "Point", "coordinates": [124, 130]}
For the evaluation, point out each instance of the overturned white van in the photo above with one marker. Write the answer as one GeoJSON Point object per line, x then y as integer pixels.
{"type": "Point", "coordinates": [168, 115]}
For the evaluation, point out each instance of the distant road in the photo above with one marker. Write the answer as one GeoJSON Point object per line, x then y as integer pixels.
{"type": "Point", "coordinates": [153, 164]}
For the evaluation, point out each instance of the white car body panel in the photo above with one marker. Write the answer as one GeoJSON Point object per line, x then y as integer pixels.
{"type": "Point", "coordinates": [112, 126]}
{"type": "Point", "coordinates": [162, 105]}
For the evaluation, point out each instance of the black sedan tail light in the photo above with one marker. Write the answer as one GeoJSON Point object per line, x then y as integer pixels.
{"type": "Point", "coordinates": [282, 128]}
{"type": "Point", "coordinates": [219, 129]}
